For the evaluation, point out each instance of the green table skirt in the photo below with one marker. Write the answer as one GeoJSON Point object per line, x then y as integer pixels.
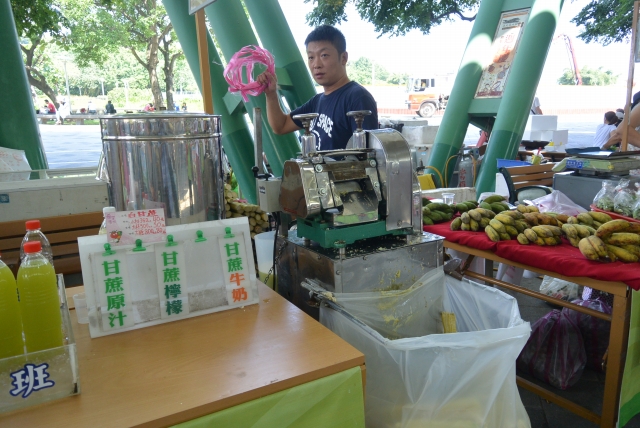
{"type": "Point", "coordinates": [334, 401]}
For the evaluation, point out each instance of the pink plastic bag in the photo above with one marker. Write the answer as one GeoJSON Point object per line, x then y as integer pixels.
{"type": "Point", "coordinates": [555, 351]}
{"type": "Point", "coordinates": [246, 58]}
{"type": "Point", "coordinates": [595, 332]}
{"type": "Point", "coordinates": [558, 202]}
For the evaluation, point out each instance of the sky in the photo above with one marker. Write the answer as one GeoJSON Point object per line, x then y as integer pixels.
{"type": "Point", "coordinates": [441, 51]}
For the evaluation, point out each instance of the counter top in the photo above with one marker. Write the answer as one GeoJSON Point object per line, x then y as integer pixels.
{"type": "Point", "coordinates": [174, 372]}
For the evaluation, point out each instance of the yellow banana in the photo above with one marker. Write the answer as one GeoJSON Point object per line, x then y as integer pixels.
{"type": "Point", "coordinates": [522, 239]}
{"type": "Point", "coordinates": [633, 249]}
{"type": "Point", "coordinates": [587, 249]}
{"type": "Point", "coordinates": [475, 215]}
{"type": "Point", "coordinates": [583, 232]}
{"type": "Point", "coordinates": [497, 225]}
{"type": "Point", "coordinates": [612, 226]}
{"type": "Point", "coordinates": [542, 231]}
{"type": "Point", "coordinates": [622, 254]}
{"type": "Point", "coordinates": [570, 231]}
{"type": "Point", "coordinates": [584, 218]}
{"type": "Point", "coordinates": [574, 241]}
{"type": "Point", "coordinates": [598, 245]}
{"type": "Point", "coordinates": [505, 237]}
{"type": "Point", "coordinates": [492, 234]}
{"type": "Point", "coordinates": [530, 234]}
{"type": "Point", "coordinates": [505, 219]}
{"type": "Point", "coordinates": [623, 239]}
{"type": "Point", "coordinates": [601, 217]}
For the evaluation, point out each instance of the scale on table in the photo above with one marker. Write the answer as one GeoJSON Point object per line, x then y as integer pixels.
{"type": "Point", "coordinates": [602, 163]}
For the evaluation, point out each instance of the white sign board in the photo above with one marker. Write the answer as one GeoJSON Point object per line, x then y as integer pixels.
{"type": "Point", "coordinates": [199, 269]}
{"type": "Point", "coordinates": [196, 5]}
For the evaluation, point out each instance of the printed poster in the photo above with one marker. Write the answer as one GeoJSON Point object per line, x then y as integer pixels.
{"type": "Point", "coordinates": [503, 50]}
{"type": "Point", "coordinates": [125, 227]}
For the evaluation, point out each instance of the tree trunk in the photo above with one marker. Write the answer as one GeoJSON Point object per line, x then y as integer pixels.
{"type": "Point", "coordinates": [152, 68]}
{"type": "Point", "coordinates": [167, 68]}
{"type": "Point", "coordinates": [37, 79]}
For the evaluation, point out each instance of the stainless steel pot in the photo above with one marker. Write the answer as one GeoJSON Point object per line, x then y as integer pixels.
{"type": "Point", "coordinates": [164, 160]}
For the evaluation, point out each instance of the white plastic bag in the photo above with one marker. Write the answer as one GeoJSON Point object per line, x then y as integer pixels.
{"type": "Point", "coordinates": [436, 380]}
{"type": "Point", "coordinates": [558, 288]}
{"type": "Point", "coordinates": [558, 202]}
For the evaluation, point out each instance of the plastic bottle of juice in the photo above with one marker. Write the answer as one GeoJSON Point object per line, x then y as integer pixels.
{"type": "Point", "coordinates": [35, 234]}
{"type": "Point", "coordinates": [39, 300]}
{"type": "Point", "coordinates": [11, 343]}
{"type": "Point", "coordinates": [103, 228]}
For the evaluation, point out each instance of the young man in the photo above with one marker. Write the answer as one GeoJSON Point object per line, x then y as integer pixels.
{"type": "Point", "coordinates": [327, 60]}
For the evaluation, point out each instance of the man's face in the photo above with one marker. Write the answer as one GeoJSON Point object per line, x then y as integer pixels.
{"type": "Point", "coordinates": [326, 65]}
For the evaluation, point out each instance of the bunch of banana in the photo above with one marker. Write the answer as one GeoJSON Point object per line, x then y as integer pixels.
{"type": "Point", "coordinates": [495, 203]}
{"type": "Point", "coordinates": [541, 235]}
{"type": "Point", "coordinates": [619, 239]}
{"type": "Point", "coordinates": [435, 212]}
{"type": "Point", "coordinates": [258, 219]}
{"type": "Point", "coordinates": [591, 219]}
{"type": "Point", "coordinates": [545, 219]}
{"type": "Point", "coordinates": [463, 206]}
{"type": "Point", "coordinates": [473, 220]}
{"type": "Point", "coordinates": [505, 226]}
{"type": "Point", "coordinates": [527, 208]}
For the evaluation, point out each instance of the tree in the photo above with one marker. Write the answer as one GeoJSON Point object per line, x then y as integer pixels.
{"type": "Point", "coordinates": [395, 17]}
{"type": "Point", "coordinates": [590, 77]}
{"type": "Point", "coordinates": [37, 21]}
{"type": "Point", "coordinates": [100, 27]}
{"type": "Point", "coordinates": [362, 69]}
{"type": "Point", "coordinates": [605, 21]}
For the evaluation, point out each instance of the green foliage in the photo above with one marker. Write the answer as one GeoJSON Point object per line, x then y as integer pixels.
{"type": "Point", "coordinates": [362, 69]}
{"type": "Point", "coordinates": [395, 17]}
{"type": "Point", "coordinates": [605, 21]}
{"type": "Point", "coordinates": [590, 77]}
{"type": "Point", "coordinates": [136, 97]}
{"type": "Point", "coordinates": [35, 17]}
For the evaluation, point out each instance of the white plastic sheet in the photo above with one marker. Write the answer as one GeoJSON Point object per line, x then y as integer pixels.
{"type": "Point", "coordinates": [419, 377]}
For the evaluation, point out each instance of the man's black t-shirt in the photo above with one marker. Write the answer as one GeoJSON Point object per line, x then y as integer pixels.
{"type": "Point", "coordinates": [333, 127]}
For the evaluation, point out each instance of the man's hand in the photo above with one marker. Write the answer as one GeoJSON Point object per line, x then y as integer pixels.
{"type": "Point", "coordinates": [270, 81]}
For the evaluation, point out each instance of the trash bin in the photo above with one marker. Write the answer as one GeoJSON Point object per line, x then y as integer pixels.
{"type": "Point", "coordinates": [417, 376]}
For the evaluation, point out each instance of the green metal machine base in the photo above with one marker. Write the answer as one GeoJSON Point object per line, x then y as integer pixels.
{"type": "Point", "coordinates": [336, 237]}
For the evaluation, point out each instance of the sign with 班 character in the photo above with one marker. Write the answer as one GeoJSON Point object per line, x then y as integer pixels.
{"type": "Point", "coordinates": [503, 49]}
{"type": "Point", "coordinates": [197, 269]}
{"type": "Point", "coordinates": [41, 376]}
{"type": "Point", "coordinates": [125, 227]}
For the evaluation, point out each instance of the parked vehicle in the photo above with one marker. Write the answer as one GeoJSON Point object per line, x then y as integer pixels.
{"type": "Point", "coordinates": [427, 95]}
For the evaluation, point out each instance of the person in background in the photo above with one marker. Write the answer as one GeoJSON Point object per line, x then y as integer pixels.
{"type": "Point", "coordinates": [91, 108]}
{"type": "Point", "coordinates": [64, 110]}
{"type": "Point", "coordinates": [147, 107]}
{"type": "Point", "coordinates": [49, 107]}
{"type": "Point", "coordinates": [109, 108]}
{"type": "Point", "coordinates": [327, 60]}
{"type": "Point", "coordinates": [535, 107]}
{"type": "Point", "coordinates": [603, 132]}
{"type": "Point", "coordinates": [620, 116]}
{"type": "Point", "coordinates": [633, 136]}
{"type": "Point", "coordinates": [184, 106]}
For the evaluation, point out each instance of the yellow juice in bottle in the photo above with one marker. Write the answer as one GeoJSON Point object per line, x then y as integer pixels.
{"type": "Point", "coordinates": [39, 301]}
{"type": "Point", "coordinates": [11, 343]}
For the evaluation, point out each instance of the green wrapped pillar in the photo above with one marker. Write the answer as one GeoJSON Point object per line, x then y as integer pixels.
{"type": "Point", "coordinates": [520, 90]}
{"type": "Point", "coordinates": [233, 32]}
{"type": "Point", "coordinates": [236, 138]}
{"type": "Point", "coordinates": [19, 129]}
{"type": "Point", "coordinates": [266, 16]}
{"type": "Point", "coordinates": [455, 122]}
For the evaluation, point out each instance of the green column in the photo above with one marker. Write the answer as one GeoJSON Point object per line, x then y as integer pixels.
{"type": "Point", "coordinates": [19, 128]}
{"type": "Point", "coordinates": [520, 90]}
{"type": "Point", "coordinates": [236, 138]}
{"type": "Point", "coordinates": [455, 122]}
{"type": "Point", "coordinates": [276, 37]}
{"type": "Point", "coordinates": [233, 32]}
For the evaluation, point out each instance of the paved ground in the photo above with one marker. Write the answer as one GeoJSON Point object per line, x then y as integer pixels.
{"type": "Point", "coordinates": [73, 146]}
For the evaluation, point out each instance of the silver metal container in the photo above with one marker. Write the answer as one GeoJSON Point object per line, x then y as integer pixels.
{"type": "Point", "coordinates": [377, 264]}
{"type": "Point", "coordinates": [164, 160]}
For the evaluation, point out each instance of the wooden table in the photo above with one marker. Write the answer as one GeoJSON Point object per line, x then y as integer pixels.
{"type": "Point", "coordinates": [619, 318]}
{"type": "Point", "coordinates": [179, 371]}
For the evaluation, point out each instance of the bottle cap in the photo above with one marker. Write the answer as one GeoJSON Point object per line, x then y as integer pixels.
{"type": "Point", "coordinates": [32, 247]}
{"type": "Point", "coordinates": [108, 210]}
{"type": "Point", "coordinates": [33, 224]}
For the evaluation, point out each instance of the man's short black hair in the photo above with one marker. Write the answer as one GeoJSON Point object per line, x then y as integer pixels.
{"type": "Point", "coordinates": [328, 33]}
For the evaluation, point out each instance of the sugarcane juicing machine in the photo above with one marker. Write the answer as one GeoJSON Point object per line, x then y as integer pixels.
{"type": "Point", "coordinates": [358, 217]}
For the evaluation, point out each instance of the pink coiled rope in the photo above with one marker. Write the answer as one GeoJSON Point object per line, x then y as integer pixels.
{"type": "Point", "coordinates": [246, 58]}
